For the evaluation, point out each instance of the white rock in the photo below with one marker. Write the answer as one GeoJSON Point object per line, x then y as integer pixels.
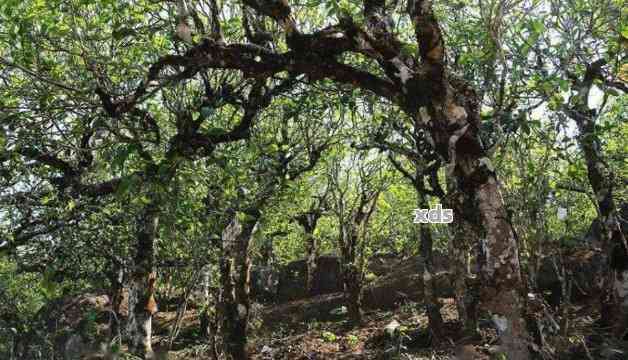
{"type": "Point", "coordinates": [392, 327]}
{"type": "Point", "coordinates": [339, 311]}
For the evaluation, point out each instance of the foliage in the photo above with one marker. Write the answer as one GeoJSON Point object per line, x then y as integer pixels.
{"type": "Point", "coordinates": [83, 152]}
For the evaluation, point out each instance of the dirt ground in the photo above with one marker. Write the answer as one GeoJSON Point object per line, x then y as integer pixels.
{"type": "Point", "coordinates": [334, 339]}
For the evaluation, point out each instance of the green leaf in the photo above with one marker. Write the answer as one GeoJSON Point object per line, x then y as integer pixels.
{"type": "Point", "coordinates": [3, 140]}
{"type": "Point", "coordinates": [215, 131]}
{"type": "Point", "coordinates": [538, 26]}
{"type": "Point", "coordinates": [624, 31]}
{"type": "Point", "coordinates": [71, 205]}
{"type": "Point", "coordinates": [125, 184]}
{"type": "Point", "coordinates": [49, 286]}
{"type": "Point", "coordinates": [121, 156]}
{"type": "Point", "coordinates": [563, 84]}
{"type": "Point", "coordinates": [207, 111]}
{"type": "Point", "coordinates": [47, 199]}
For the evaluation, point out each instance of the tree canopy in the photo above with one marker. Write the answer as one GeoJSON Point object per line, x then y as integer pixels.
{"type": "Point", "coordinates": [178, 152]}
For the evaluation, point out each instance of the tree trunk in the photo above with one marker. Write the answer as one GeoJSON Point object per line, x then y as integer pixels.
{"type": "Point", "coordinates": [464, 293]}
{"type": "Point", "coordinates": [353, 292]}
{"type": "Point", "coordinates": [432, 304]}
{"type": "Point", "coordinates": [452, 118]}
{"type": "Point", "coordinates": [207, 317]}
{"type": "Point", "coordinates": [234, 292]}
{"type": "Point", "coordinates": [351, 275]}
{"type": "Point", "coordinates": [308, 221]}
{"type": "Point", "coordinates": [613, 241]}
{"type": "Point", "coordinates": [500, 272]}
{"type": "Point", "coordinates": [142, 303]}
{"type": "Point", "coordinates": [312, 254]}
{"type": "Point", "coordinates": [460, 247]}
{"type": "Point", "coordinates": [116, 279]}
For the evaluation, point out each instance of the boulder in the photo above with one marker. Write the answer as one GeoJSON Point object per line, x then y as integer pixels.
{"type": "Point", "coordinates": [583, 267]}
{"type": "Point", "coordinates": [76, 326]}
{"type": "Point", "coordinates": [264, 283]}
{"type": "Point", "coordinates": [402, 284]}
{"type": "Point", "coordinates": [405, 283]}
{"type": "Point", "coordinates": [327, 279]}
{"type": "Point", "coordinates": [389, 275]}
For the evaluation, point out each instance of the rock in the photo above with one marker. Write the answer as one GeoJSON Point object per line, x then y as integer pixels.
{"type": "Point", "coordinates": [392, 328]}
{"type": "Point", "coordinates": [264, 283]}
{"type": "Point", "coordinates": [495, 350]}
{"type": "Point", "coordinates": [402, 284]}
{"type": "Point", "coordinates": [77, 325]}
{"type": "Point", "coordinates": [405, 283]}
{"type": "Point", "coordinates": [339, 311]}
{"type": "Point", "coordinates": [393, 340]}
{"type": "Point", "coordinates": [327, 279]}
{"type": "Point", "coordinates": [74, 347]}
{"type": "Point", "coordinates": [382, 263]}
{"type": "Point", "coordinates": [267, 352]}
{"type": "Point", "coordinates": [390, 273]}
{"type": "Point", "coordinates": [583, 267]}
{"type": "Point", "coordinates": [467, 352]}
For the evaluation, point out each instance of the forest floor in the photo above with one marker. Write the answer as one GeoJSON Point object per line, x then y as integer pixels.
{"type": "Point", "coordinates": [334, 339]}
{"type": "Point", "coordinates": [310, 328]}
{"type": "Point", "coordinates": [313, 328]}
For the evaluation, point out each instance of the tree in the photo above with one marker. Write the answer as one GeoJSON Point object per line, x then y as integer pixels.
{"type": "Point", "coordinates": [308, 221]}
{"type": "Point", "coordinates": [416, 86]}
{"type": "Point", "coordinates": [275, 158]}
{"type": "Point", "coordinates": [404, 138]}
{"type": "Point", "coordinates": [355, 186]}
{"type": "Point", "coordinates": [98, 98]}
{"type": "Point", "coordinates": [577, 70]}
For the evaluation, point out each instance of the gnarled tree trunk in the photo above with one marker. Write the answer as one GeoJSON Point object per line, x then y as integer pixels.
{"type": "Point", "coordinates": [310, 261]}
{"type": "Point", "coordinates": [432, 303]}
{"type": "Point", "coordinates": [116, 294]}
{"type": "Point", "coordinates": [308, 221]}
{"type": "Point", "coordinates": [142, 303]}
{"type": "Point", "coordinates": [351, 278]}
{"type": "Point", "coordinates": [613, 241]}
{"type": "Point", "coordinates": [234, 302]}
{"type": "Point", "coordinates": [352, 231]}
{"type": "Point", "coordinates": [453, 120]}
{"type": "Point", "coordinates": [460, 248]}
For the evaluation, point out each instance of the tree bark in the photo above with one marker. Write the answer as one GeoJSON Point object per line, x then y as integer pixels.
{"type": "Point", "coordinates": [142, 303]}
{"type": "Point", "coordinates": [460, 247]}
{"type": "Point", "coordinates": [312, 254]}
{"type": "Point", "coordinates": [353, 289]}
{"type": "Point", "coordinates": [500, 272]}
{"type": "Point", "coordinates": [452, 118]}
{"type": "Point", "coordinates": [308, 221]}
{"type": "Point", "coordinates": [351, 275]}
{"type": "Point", "coordinates": [432, 304]}
{"type": "Point", "coordinates": [234, 302]}
{"type": "Point", "coordinates": [615, 296]}
{"type": "Point", "coordinates": [116, 279]}
{"type": "Point", "coordinates": [466, 298]}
